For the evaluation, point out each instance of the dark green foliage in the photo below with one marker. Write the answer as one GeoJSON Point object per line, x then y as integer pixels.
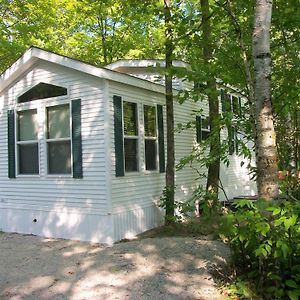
{"type": "Point", "coordinates": [265, 241]}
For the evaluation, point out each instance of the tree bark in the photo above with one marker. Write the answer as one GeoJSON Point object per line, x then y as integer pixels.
{"type": "Point", "coordinates": [170, 169]}
{"type": "Point", "coordinates": [212, 184]}
{"type": "Point", "coordinates": [266, 152]}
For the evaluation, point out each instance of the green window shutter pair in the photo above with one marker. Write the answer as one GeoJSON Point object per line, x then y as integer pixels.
{"type": "Point", "coordinates": [118, 131]}
{"type": "Point", "coordinates": [76, 141]}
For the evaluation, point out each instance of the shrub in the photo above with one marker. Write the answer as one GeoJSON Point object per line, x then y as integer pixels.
{"type": "Point", "coordinates": [265, 241]}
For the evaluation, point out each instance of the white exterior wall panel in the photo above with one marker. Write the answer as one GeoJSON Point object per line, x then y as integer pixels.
{"type": "Point", "coordinates": [45, 196]}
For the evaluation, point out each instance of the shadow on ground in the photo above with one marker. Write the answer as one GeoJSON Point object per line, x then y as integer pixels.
{"type": "Point", "coordinates": [155, 268]}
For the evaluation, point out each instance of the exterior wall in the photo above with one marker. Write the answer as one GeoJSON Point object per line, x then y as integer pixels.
{"type": "Point", "coordinates": [235, 179]}
{"type": "Point", "coordinates": [100, 207]}
{"type": "Point", "coordinates": [135, 195]}
{"type": "Point", "coordinates": [62, 206]}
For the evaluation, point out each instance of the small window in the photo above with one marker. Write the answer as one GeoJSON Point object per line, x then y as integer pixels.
{"type": "Point", "coordinates": [42, 91]}
{"type": "Point", "coordinates": [233, 140]}
{"type": "Point", "coordinates": [202, 128]}
{"type": "Point", "coordinates": [27, 142]}
{"type": "Point", "coordinates": [150, 127]}
{"type": "Point", "coordinates": [58, 139]}
{"type": "Point", "coordinates": [130, 127]}
{"type": "Point", "coordinates": [231, 103]}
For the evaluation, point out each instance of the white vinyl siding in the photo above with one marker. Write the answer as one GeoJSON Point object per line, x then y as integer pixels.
{"type": "Point", "coordinates": [145, 188]}
{"type": "Point", "coordinates": [59, 193]}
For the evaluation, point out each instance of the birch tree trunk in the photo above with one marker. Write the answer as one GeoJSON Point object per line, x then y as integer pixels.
{"type": "Point", "coordinates": [266, 152]}
{"type": "Point", "coordinates": [170, 169]}
{"type": "Point", "coordinates": [212, 184]}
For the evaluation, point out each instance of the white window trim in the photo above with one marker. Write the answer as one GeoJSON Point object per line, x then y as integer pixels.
{"type": "Point", "coordinates": [136, 137]}
{"type": "Point", "coordinates": [41, 105]}
{"type": "Point", "coordinates": [151, 138]}
{"type": "Point", "coordinates": [37, 141]}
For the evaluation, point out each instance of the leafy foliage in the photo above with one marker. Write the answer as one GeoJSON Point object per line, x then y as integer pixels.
{"type": "Point", "coordinates": [265, 242]}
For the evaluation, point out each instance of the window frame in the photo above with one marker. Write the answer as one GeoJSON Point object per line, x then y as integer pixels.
{"type": "Point", "coordinates": [41, 99]}
{"type": "Point", "coordinates": [46, 140]}
{"type": "Point", "coordinates": [151, 138]}
{"type": "Point", "coordinates": [133, 137]}
{"type": "Point", "coordinates": [41, 106]}
{"type": "Point", "coordinates": [18, 110]}
{"type": "Point", "coordinates": [202, 128]}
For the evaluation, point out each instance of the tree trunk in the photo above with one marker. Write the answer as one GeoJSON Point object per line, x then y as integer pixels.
{"type": "Point", "coordinates": [266, 152]}
{"type": "Point", "coordinates": [212, 184]}
{"type": "Point", "coordinates": [170, 169]}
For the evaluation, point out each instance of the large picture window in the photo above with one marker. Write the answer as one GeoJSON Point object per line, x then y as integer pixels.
{"type": "Point", "coordinates": [130, 125]}
{"type": "Point", "coordinates": [58, 139]}
{"type": "Point", "coordinates": [150, 129]}
{"type": "Point", "coordinates": [27, 142]}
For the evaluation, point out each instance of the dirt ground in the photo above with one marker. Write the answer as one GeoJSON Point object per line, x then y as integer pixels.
{"type": "Point", "coordinates": [154, 268]}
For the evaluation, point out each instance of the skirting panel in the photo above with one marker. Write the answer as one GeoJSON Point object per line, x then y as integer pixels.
{"type": "Point", "coordinates": [127, 224]}
{"type": "Point", "coordinates": [72, 225]}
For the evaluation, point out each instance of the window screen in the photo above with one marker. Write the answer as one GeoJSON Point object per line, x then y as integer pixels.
{"type": "Point", "coordinates": [130, 126]}
{"type": "Point", "coordinates": [27, 143]}
{"type": "Point", "coordinates": [58, 139]}
{"type": "Point", "coordinates": [150, 129]}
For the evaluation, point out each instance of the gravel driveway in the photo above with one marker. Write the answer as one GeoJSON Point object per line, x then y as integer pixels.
{"type": "Point", "coordinates": [155, 268]}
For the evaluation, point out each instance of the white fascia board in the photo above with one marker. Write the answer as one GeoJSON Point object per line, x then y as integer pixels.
{"type": "Point", "coordinates": [135, 63]}
{"type": "Point", "coordinates": [34, 54]}
{"type": "Point", "coordinates": [12, 73]}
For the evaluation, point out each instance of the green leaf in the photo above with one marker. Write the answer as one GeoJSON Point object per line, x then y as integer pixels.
{"type": "Point", "coordinates": [291, 283]}
{"type": "Point", "coordinates": [279, 221]}
{"type": "Point", "coordinates": [289, 222]}
{"type": "Point", "coordinates": [294, 294]}
{"type": "Point", "coordinates": [275, 210]}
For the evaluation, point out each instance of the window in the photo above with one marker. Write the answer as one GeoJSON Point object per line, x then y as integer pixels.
{"type": "Point", "coordinates": [130, 125]}
{"type": "Point", "coordinates": [42, 91]}
{"type": "Point", "coordinates": [231, 103]}
{"type": "Point", "coordinates": [233, 140]}
{"type": "Point", "coordinates": [58, 139]}
{"type": "Point", "coordinates": [27, 142]}
{"type": "Point", "coordinates": [150, 128]}
{"type": "Point", "coordinates": [202, 128]}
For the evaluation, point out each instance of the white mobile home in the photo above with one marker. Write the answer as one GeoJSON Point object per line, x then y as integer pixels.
{"type": "Point", "coordinates": [83, 153]}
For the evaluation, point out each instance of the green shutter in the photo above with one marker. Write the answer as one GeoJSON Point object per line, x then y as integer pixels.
{"type": "Point", "coordinates": [161, 139]}
{"type": "Point", "coordinates": [240, 106]}
{"type": "Point", "coordinates": [119, 146]}
{"type": "Point", "coordinates": [231, 137]}
{"type": "Point", "coordinates": [223, 99]}
{"type": "Point", "coordinates": [11, 144]}
{"type": "Point", "coordinates": [198, 129]}
{"type": "Point", "coordinates": [76, 139]}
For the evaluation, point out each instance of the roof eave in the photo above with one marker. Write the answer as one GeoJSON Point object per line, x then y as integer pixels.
{"type": "Point", "coordinates": [32, 55]}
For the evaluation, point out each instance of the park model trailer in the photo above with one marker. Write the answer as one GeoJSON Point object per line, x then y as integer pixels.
{"type": "Point", "coordinates": [82, 151]}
